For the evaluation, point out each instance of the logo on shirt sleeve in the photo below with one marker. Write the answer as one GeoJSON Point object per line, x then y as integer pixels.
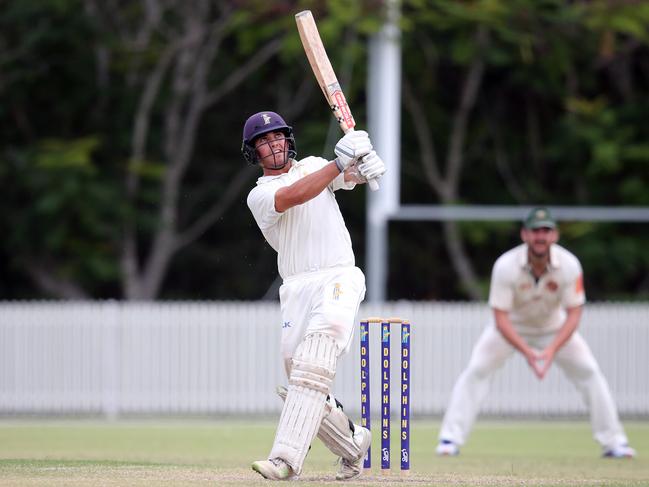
{"type": "Point", "coordinates": [579, 284]}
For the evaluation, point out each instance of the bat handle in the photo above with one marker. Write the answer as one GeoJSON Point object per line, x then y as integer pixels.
{"type": "Point", "coordinates": [372, 183]}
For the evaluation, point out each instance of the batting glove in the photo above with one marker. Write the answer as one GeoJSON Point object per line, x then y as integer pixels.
{"type": "Point", "coordinates": [352, 146]}
{"type": "Point", "coordinates": [372, 166]}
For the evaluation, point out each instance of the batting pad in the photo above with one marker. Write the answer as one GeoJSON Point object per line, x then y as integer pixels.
{"type": "Point", "coordinates": [337, 434]}
{"type": "Point", "coordinates": [314, 367]}
{"type": "Point", "coordinates": [335, 430]}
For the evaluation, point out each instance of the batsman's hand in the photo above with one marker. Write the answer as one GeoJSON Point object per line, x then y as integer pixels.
{"type": "Point", "coordinates": [371, 166]}
{"type": "Point", "coordinates": [351, 147]}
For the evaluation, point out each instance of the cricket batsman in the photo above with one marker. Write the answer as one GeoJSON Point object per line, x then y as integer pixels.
{"type": "Point", "coordinates": [294, 205]}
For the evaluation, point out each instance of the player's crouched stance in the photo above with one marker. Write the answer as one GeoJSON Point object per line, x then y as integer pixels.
{"type": "Point", "coordinates": [536, 295]}
{"type": "Point", "coordinates": [294, 206]}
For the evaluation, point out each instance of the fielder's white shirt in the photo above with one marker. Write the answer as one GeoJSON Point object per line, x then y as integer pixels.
{"type": "Point", "coordinates": [307, 237]}
{"type": "Point", "coordinates": [536, 306]}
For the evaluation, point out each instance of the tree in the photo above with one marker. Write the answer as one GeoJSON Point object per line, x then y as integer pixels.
{"type": "Point", "coordinates": [121, 127]}
{"type": "Point", "coordinates": [139, 107]}
{"type": "Point", "coordinates": [497, 87]}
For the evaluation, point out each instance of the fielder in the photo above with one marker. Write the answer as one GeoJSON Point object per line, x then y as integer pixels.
{"type": "Point", "coordinates": [295, 208]}
{"type": "Point", "coordinates": [537, 296]}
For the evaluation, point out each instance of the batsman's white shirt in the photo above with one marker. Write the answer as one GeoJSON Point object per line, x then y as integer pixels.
{"type": "Point", "coordinates": [536, 306]}
{"type": "Point", "coordinates": [308, 237]}
{"type": "Point", "coordinates": [322, 288]}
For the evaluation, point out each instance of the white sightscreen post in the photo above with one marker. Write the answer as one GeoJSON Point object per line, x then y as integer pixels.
{"type": "Point", "coordinates": [384, 124]}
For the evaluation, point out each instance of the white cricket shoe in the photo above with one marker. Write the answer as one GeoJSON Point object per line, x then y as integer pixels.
{"type": "Point", "coordinates": [350, 469]}
{"type": "Point", "coordinates": [621, 451]}
{"type": "Point", "coordinates": [274, 469]}
{"type": "Point", "coordinates": [446, 448]}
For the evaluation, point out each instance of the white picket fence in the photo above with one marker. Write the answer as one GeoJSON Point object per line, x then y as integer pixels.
{"type": "Point", "coordinates": [115, 359]}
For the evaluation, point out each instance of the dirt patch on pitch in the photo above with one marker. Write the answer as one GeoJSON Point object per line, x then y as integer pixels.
{"type": "Point", "coordinates": [246, 478]}
{"type": "Point", "coordinates": [146, 475]}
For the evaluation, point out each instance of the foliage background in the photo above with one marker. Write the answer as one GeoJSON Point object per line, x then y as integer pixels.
{"type": "Point", "coordinates": [120, 129]}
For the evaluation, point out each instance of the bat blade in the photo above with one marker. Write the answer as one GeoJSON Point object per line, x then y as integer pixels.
{"type": "Point", "coordinates": [322, 69]}
{"type": "Point", "coordinates": [325, 74]}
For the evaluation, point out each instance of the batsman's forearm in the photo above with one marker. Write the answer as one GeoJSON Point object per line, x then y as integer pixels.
{"type": "Point", "coordinates": [306, 188]}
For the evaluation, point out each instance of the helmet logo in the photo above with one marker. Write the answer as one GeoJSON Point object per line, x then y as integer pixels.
{"type": "Point", "coordinates": [266, 118]}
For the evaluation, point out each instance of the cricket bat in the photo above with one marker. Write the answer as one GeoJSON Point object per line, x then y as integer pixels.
{"type": "Point", "coordinates": [325, 75]}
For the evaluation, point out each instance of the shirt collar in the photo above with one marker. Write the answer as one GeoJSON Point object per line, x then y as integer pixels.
{"type": "Point", "coordinates": [266, 179]}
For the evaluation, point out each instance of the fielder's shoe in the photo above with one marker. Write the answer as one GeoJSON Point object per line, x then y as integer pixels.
{"type": "Point", "coordinates": [621, 451]}
{"type": "Point", "coordinates": [446, 448]}
{"type": "Point", "coordinates": [274, 469]}
{"type": "Point", "coordinates": [350, 469]}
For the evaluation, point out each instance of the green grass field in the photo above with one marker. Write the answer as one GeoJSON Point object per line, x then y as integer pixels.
{"type": "Point", "coordinates": [219, 453]}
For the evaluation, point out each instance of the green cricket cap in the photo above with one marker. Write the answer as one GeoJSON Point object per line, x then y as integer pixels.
{"type": "Point", "coordinates": [539, 217]}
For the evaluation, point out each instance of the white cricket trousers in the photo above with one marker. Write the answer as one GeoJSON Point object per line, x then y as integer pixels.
{"type": "Point", "coordinates": [575, 359]}
{"type": "Point", "coordinates": [325, 301]}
